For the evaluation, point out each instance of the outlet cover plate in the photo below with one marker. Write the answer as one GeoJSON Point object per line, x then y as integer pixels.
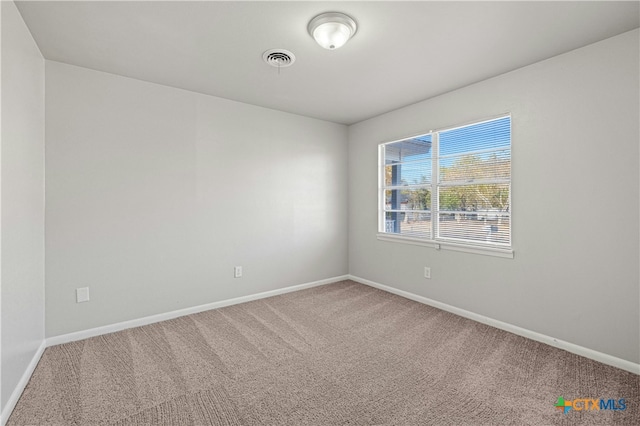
{"type": "Point", "coordinates": [237, 272]}
{"type": "Point", "coordinates": [82, 294]}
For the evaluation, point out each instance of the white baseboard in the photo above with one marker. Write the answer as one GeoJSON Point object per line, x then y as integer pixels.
{"type": "Point", "coordinates": [98, 331]}
{"type": "Point", "coordinates": [15, 395]}
{"type": "Point", "coordinates": [552, 341]}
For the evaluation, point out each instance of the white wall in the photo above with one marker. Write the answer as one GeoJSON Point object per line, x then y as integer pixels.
{"type": "Point", "coordinates": [575, 148]}
{"type": "Point", "coordinates": [22, 176]}
{"type": "Point", "coordinates": [154, 194]}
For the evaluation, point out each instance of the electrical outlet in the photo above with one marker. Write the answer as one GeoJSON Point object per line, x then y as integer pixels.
{"type": "Point", "coordinates": [237, 272]}
{"type": "Point", "coordinates": [82, 294]}
{"type": "Point", "coordinates": [427, 272]}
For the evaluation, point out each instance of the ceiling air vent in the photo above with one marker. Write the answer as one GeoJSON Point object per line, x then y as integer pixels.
{"type": "Point", "coordinates": [279, 58]}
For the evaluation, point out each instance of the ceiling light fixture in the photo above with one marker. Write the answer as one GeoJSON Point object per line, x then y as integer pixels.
{"type": "Point", "coordinates": [332, 29]}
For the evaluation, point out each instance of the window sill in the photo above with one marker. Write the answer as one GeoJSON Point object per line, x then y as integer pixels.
{"type": "Point", "coordinates": [465, 248]}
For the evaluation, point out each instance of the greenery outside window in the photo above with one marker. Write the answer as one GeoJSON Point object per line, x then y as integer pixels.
{"type": "Point", "coordinates": [450, 187]}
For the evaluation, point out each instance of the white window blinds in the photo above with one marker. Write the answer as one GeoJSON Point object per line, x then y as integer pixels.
{"type": "Point", "coordinates": [469, 170]}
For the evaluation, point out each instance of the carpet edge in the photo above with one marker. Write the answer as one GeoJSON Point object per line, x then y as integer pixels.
{"type": "Point", "coordinates": [592, 354]}
{"type": "Point", "coordinates": [22, 384]}
{"type": "Point", "coordinates": [152, 319]}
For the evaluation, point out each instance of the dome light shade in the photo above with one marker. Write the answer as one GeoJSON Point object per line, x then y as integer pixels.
{"type": "Point", "coordinates": [332, 29]}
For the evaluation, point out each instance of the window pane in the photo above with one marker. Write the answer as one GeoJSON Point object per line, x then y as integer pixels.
{"type": "Point", "coordinates": [409, 223]}
{"type": "Point", "coordinates": [416, 173]}
{"type": "Point", "coordinates": [493, 134]}
{"type": "Point", "coordinates": [414, 149]}
{"type": "Point", "coordinates": [480, 199]}
{"type": "Point", "coordinates": [492, 228]}
{"type": "Point", "coordinates": [408, 199]}
{"type": "Point", "coordinates": [469, 167]}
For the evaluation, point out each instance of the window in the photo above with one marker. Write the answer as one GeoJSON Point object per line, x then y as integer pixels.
{"type": "Point", "coordinates": [449, 188]}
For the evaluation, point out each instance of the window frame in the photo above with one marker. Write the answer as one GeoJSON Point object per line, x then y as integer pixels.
{"type": "Point", "coordinates": [436, 242]}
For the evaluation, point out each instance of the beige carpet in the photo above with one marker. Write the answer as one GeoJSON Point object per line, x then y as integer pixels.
{"type": "Point", "coordinates": [337, 354]}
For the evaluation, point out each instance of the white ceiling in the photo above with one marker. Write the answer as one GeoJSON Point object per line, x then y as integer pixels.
{"type": "Point", "coordinates": [403, 52]}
